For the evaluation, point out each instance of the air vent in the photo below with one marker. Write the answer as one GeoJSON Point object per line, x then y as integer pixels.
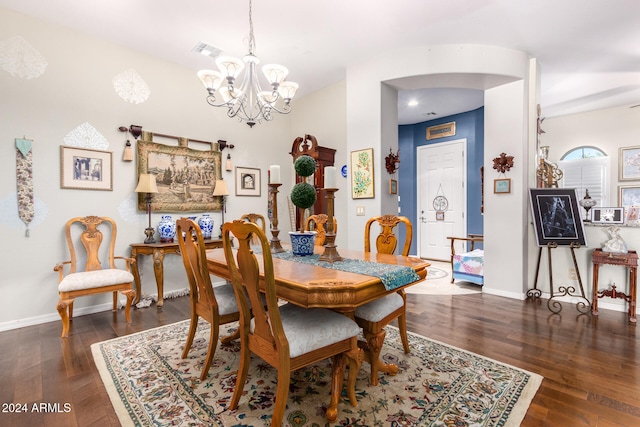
{"type": "Point", "coordinates": [206, 49]}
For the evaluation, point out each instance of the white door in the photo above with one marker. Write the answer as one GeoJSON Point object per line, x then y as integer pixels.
{"type": "Point", "coordinates": [442, 176]}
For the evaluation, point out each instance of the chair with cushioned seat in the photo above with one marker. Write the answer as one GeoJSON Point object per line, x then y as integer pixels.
{"type": "Point", "coordinates": [375, 315]}
{"type": "Point", "coordinates": [287, 337]}
{"type": "Point", "coordinates": [467, 265]}
{"type": "Point", "coordinates": [256, 219]}
{"type": "Point", "coordinates": [86, 275]}
{"type": "Point", "coordinates": [217, 305]}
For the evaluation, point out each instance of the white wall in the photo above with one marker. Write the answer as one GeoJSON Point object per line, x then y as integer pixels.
{"type": "Point", "coordinates": [608, 130]}
{"type": "Point", "coordinates": [77, 88]}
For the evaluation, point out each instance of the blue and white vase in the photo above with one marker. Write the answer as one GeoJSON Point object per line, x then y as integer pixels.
{"type": "Point", "coordinates": [167, 229]}
{"type": "Point", "coordinates": [184, 234]}
{"type": "Point", "coordinates": [302, 243]}
{"type": "Point", "coordinates": [206, 225]}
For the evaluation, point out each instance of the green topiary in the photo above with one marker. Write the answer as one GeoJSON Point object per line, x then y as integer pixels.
{"type": "Point", "coordinates": [303, 195]}
{"type": "Point", "coordinates": [305, 166]}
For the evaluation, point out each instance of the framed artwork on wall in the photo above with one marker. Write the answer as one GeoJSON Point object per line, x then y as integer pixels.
{"type": "Point", "coordinates": [556, 216]}
{"type": "Point", "coordinates": [629, 163]}
{"type": "Point", "coordinates": [393, 186]}
{"type": "Point", "coordinates": [362, 178]}
{"type": "Point", "coordinates": [85, 169]}
{"type": "Point", "coordinates": [502, 186]}
{"type": "Point", "coordinates": [247, 181]}
{"type": "Point", "coordinates": [628, 195]}
{"type": "Point", "coordinates": [185, 177]}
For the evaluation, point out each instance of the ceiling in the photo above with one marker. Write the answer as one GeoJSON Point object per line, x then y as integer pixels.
{"type": "Point", "coordinates": [588, 50]}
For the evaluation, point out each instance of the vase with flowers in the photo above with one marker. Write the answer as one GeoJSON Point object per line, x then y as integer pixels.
{"type": "Point", "coordinates": [303, 196]}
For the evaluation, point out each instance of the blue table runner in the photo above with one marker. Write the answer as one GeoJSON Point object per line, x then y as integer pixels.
{"type": "Point", "coordinates": [392, 276]}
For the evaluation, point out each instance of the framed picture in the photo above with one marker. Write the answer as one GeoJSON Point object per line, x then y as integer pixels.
{"type": "Point", "coordinates": [556, 216]}
{"type": "Point", "coordinates": [361, 167]}
{"type": "Point", "coordinates": [185, 177]}
{"type": "Point", "coordinates": [439, 215]}
{"type": "Point", "coordinates": [633, 215]}
{"type": "Point", "coordinates": [440, 131]}
{"type": "Point", "coordinates": [502, 186]}
{"type": "Point", "coordinates": [393, 186]}
{"type": "Point", "coordinates": [247, 181]}
{"type": "Point", "coordinates": [607, 215]}
{"type": "Point", "coordinates": [628, 196]}
{"type": "Point", "coordinates": [85, 169]}
{"type": "Point", "coordinates": [629, 166]}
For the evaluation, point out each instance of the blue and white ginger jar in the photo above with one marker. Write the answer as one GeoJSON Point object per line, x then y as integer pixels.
{"type": "Point", "coordinates": [167, 229]}
{"type": "Point", "coordinates": [302, 244]}
{"type": "Point", "coordinates": [206, 225]}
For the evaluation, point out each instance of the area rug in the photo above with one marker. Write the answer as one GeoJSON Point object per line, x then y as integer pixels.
{"type": "Point", "coordinates": [438, 385]}
{"type": "Point", "coordinates": [438, 282]}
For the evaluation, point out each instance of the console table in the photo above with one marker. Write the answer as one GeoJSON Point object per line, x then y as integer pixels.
{"type": "Point", "coordinates": [629, 260]}
{"type": "Point", "coordinates": [158, 251]}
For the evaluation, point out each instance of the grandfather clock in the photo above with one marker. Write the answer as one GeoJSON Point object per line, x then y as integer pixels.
{"type": "Point", "coordinates": [324, 157]}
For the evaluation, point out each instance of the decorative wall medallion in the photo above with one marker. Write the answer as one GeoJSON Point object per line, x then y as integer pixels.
{"type": "Point", "coordinates": [86, 136]}
{"type": "Point", "coordinates": [20, 59]}
{"type": "Point", "coordinates": [131, 87]}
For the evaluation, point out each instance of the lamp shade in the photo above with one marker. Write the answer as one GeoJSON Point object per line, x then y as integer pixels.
{"type": "Point", "coordinates": [147, 183]}
{"type": "Point", "coordinates": [221, 188]}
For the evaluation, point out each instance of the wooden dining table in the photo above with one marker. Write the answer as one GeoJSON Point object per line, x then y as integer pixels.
{"type": "Point", "coordinates": [310, 286]}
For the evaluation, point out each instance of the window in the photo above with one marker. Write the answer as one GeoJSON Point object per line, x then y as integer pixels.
{"type": "Point", "coordinates": [587, 168]}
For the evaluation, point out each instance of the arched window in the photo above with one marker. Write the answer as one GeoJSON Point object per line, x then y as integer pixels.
{"type": "Point", "coordinates": [587, 168]}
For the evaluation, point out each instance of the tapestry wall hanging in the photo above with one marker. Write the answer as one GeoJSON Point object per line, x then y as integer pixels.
{"type": "Point", "coordinates": [185, 177]}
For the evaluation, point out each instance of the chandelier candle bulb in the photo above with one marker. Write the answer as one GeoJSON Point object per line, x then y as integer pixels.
{"type": "Point", "coordinates": [274, 174]}
{"type": "Point", "coordinates": [330, 175]}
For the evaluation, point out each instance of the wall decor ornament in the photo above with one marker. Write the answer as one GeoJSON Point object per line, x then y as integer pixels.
{"type": "Point", "coordinates": [392, 161]}
{"type": "Point", "coordinates": [20, 59]}
{"type": "Point", "coordinates": [86, 136]}
{"type": "Point", "coordinates": [131, 87]}
{"type": "Point", "coordinates": [629, 163]}
{"type": "Point", "coordinates": [502, 186]}
{"type": "Point", "coordinates": [24, 180]}
{"type": "Point", "coordinates": [503, 163]}
{"type": "Point", "coordinates": [85, 169]}
{"type": "Point", "coordinates": [362, 178]}
{"type": "Point", "coordinates": [185, 177]}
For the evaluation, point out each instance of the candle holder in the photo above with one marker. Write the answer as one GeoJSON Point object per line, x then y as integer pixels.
{"type": "Point", "coordinates": [275, 245]}
{"type": "Point", "coordinates": [330, 253]}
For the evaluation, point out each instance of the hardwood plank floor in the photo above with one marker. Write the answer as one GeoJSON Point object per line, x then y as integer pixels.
{"type": "Point", "coordinates": [590, 365]}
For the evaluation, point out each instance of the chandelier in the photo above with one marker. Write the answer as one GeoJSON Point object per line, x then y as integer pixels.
{"type": "Point", "coordinates": [248, 102]}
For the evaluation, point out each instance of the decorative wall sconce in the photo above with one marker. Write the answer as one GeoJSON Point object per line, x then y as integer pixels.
{"type": "Point", "coordinates": [222, 145]}
{"type": "Point", "coordinates": [392, 161]}
{"type": "Point", "coordinates": [136, 131]}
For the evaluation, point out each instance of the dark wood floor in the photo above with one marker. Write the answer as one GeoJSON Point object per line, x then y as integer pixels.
{"type": "Point", "coordinates": [590, 366]}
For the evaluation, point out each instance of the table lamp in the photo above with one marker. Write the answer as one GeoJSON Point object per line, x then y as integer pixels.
{"type": "Point", "coordinates": [147, 184]}
{"type": "Point", "coordinates": [221, 190]}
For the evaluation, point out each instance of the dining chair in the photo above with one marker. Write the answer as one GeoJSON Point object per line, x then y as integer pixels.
{"type": "Point", "coordinates": [217, 305]}
{"type": "Point", "coordinates": [256, 219]}
{"type": "Point", "coordinates": [318, 223]}
{"type": "Point", "coordinates": [85, 273]}
{"type": "Point", "coordinates": [375, 315]}
{"type": "Point", "coordinates": [285, 336]}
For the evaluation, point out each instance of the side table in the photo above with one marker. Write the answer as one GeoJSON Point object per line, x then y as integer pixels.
{"type": "Point", "coordinates": [158, 251]}
{"type": "Point", "coordinates": [629, 260]}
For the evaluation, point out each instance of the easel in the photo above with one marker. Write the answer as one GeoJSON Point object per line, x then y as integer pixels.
{"type": "Point", "coordinates": [556, 306]}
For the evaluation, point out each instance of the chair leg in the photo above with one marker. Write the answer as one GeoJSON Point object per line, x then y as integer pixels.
{"type": "Point", "coordinates": [241, 378]}
{"type": "Point", "coordinates": [63, 310]}
{"type": "Point", "coordinates": [211, 350]}
{"type": "Point", "coordinates": [355, 357]}
{"type": "Point", "coordinates": [229, 338]}
{"type": "Point", "coordinates": [402, 328]}
{"type": "Point", "coordinates": [282, 395]}
{"type": "Point", "coordinates": [130, 294]}
{"type": "Point", "coordinates": [192, 332]}
{"type": "Point", "coordinates": [338, 363]}
{"type": "Point", "coordinates": [115, 301]}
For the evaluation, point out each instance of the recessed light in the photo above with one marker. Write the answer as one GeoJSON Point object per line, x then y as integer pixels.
{"type": "Point", "coordinates": [412, 103]}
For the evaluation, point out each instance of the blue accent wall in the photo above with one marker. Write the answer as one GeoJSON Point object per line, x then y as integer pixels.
{"type": "Point", "coordinates": [469, 125]}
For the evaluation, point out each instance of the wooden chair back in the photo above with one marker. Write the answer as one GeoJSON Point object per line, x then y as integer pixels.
{"type": "Point", "coordinates": [386, 241]}
{"type": "Point", "coordinates": [256, 219]}
{"type": "Point", "coordinates": [91, 239]}
{"type": "Point", "coordinates": [318, 223]}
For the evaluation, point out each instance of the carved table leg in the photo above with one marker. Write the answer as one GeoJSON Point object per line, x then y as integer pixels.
{"type": "Point", "coordinates": [158, 270]}
{"type": "Point", "coordinates": [338, 363]}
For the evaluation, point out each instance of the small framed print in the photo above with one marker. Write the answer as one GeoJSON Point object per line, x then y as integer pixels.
{"type": "Point", "coordinates": [247, 181]}
{"type": "Point", "coordinates": [85, 169]}
{"type": "Point", "coordinates": [629, 167]}
{"type": "Point", "coordinates": [393, 186]}
{"type": "Point", "coordinates": [439, 215]}
{"type": "Point", "coordinates": [502, 186]}
{"type": "Point", "coordinates": [607, 215]}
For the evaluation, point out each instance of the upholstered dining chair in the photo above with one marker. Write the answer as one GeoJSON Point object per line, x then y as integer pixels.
{"type": "Point", "coordinates": [375, 315]}
{"type": "Point", "coordinates": [256, 219]}
{"type": "Point", "coordinates": [86, 275]}
{"type": "Point", "coordinates": [318, 223]}
{"type": "Point", "coordinates": [286, 336]}
{"type": "Point", "coordinates": [215, 305]}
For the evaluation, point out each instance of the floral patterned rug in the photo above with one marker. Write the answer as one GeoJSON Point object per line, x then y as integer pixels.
{"type": "Point", "coordinates": [438, 385]}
